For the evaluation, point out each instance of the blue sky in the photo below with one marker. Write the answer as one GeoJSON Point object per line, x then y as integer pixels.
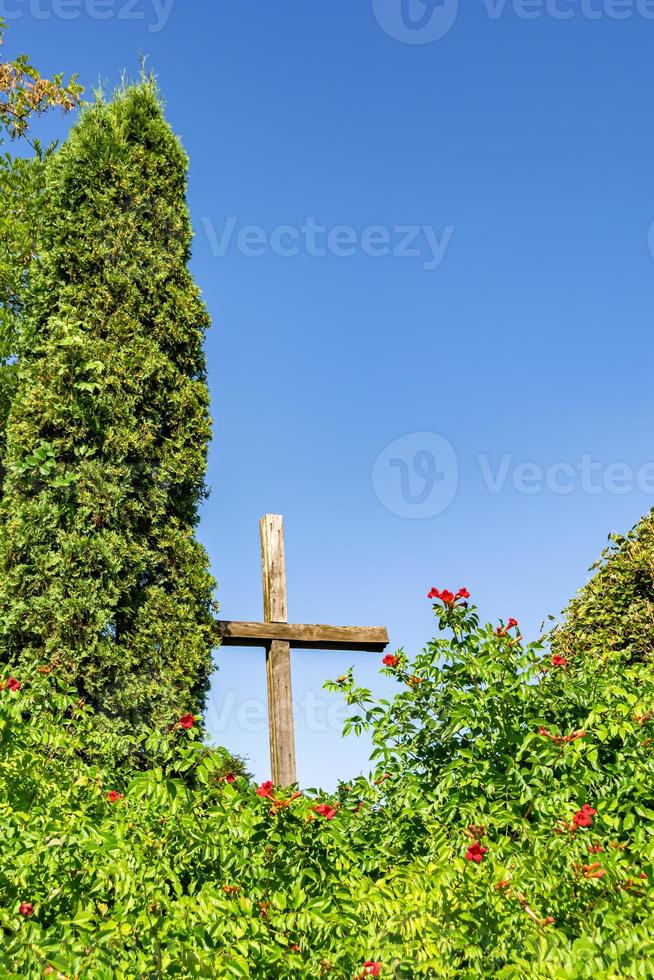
{"type": "Point", "coordinates": [423, 234]}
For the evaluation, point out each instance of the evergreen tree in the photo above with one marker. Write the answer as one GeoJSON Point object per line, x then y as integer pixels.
{"type": "Point", "coordinates": [101, 576]}
{"type": "Point", "coordinates": [613, 614]}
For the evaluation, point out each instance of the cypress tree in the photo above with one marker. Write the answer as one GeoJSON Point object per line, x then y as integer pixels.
{"type": "Point", "coordinates": [101, 575]}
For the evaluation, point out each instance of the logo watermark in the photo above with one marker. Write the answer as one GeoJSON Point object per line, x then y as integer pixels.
{"type": "Point", "coordinates": [154, 13]}
{"type": "Point", "coordinates": [416, 21]}
{"type": "Point", "coordinates": [417, 476]}
{"type": "Point", "coordinates": [426, 21]}
{"type": "Point", "coordinates": [316, 240]}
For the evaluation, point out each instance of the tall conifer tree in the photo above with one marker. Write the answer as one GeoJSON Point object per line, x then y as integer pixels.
{"type": "Point", "coordinates": [100, 571]}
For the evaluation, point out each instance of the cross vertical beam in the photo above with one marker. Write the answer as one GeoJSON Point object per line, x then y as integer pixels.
{"type": "Point", "coordinates": [278, 652]}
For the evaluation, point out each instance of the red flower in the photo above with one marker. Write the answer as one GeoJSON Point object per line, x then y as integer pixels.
{"type": "Point", "coordinates": [511, 623]}
{"type": "Point", "coordinates": [592, 870]}
{"type": "Point", "coordinates": [265, 789]}
{"type": "Point", "coordinates": [325, 810]}
{"type": "Point", "coordinates": [187, 721]}
{"type": "Point", "coordinates": [230, 778]}
{"type": "Point", "coordinates": [504, 883]}
{"type": "Point", "coordinates": [596, 849]}
{"type": "Point", "coordinates": [13, 684]}
{"type": "Point", "coordinates": [476, 853]}
{"type": "Point", "coordinates": [558, 661]}
{"type": "Point", "coordinates": [390, 661]}
{"type": "Point", "coordinates": [448, 598]}
{"type": "Point", "coordinates": [584, 817]}
{"type": "Point", "coordinates": [113, 796]}
{"type": "Point", "coordinates": [371, 969]}
{"type": "Point", "coordinates": [26, 908]}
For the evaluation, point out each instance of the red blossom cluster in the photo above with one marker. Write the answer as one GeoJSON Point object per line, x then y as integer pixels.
{"type": "Point", "coordinates": [187, 721]}
{"type": "Point", "coordinates": [504, 630]}
{"type": "Point", "coordinates": [584, 817]}
{"type": "Point", "coordinates": [476, 852]}
{"type": "Point", "coordinates": [230, 777]}
{"type": "Point", "coordinates": [448, 598]}
{"type": "Point", "coordinates": [559, 661]}
{"type": "Point", "coordinates": [325, 810]}
{"type": "Point", "coordinates": [266, 792]}
{"type": "Point", "coordinates": [11, 684]}
{"type": "Point", "coordinates": [26, 909]}
{"type": "Point", "coordinates": [390, 660]}
{"type": "Point", "coordinates": [561, 739]}
{"type": "Point", "coordinates": [113, 796]}
{"type": "Point", "coordinates": [371, 968]}
{"type": "Point", "coordinates": [593, 870]}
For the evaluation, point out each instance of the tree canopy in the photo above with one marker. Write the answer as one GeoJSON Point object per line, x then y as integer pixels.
{"type": "Point", "coordinates": [108, 430]}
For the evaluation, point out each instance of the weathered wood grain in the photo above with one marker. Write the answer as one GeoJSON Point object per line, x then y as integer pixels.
{"type": "Point", "coordinates": [372, 639]}
{"type": "Point", "coordinates": [278, 652]}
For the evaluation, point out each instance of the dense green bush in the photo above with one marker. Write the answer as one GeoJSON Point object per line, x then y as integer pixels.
{"type": "Point", "coordinates": [100, 570]}
{"type": "Point", "coordinates": [505, 832]}
{"type": "Point", "coordinates": [614, 613]}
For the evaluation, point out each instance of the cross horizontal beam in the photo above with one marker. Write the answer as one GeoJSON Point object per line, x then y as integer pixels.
{"type": "Point", "coordinates": [370, 639]}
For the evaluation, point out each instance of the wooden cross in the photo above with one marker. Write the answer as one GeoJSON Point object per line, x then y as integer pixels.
{"type": "Point", "coordinates": [278, 637]}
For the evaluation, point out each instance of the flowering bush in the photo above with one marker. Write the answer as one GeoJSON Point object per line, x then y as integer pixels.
{"type": "Point", "coordinates": [506, 831]}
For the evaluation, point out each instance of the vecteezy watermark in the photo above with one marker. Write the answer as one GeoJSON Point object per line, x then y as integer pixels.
{"type": "Point", "coordinates": [417, 475]}
{"type": "Point", "coordinates": [426, 21]}
{"type": "Point", "coordinates": [584, 475]}
{"type": "Point", "coordinates": [155, 13]}
{"type": "Point", "coordinates": [314, 713]}
{"type": "Point", "coordinates": [318, 241]}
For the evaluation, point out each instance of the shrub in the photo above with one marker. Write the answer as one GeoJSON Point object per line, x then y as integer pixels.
{"type": "Point", "coordinates": [613, 615]}
{"type": "Point", "coordinates": [506, 831]}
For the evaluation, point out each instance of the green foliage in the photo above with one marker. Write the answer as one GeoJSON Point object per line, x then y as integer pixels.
{"type": "Point", "coordinates": [24, 93]}
{"type": "Point", "coordinates": [190, 874]}
{"type": "Point", "coordinates": [613, 615]}
{"type": "Point", "coordinates": [100, 571]}
{"type": "Point", "coordinates": [21, 191]}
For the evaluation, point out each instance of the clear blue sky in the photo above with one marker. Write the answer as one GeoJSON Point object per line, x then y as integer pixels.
{"type": "Point", "coordinates": [519, 333]}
